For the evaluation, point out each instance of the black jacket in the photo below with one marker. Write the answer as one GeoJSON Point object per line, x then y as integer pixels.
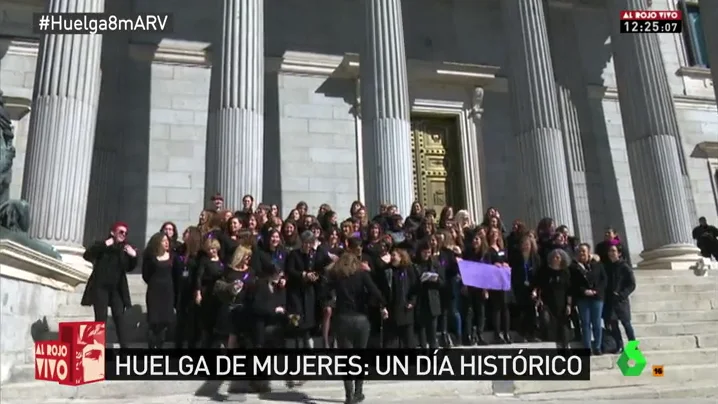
{"type": "Point", "coordinates": [402, 291]}
{"type": "Point", "coordinates": [620, 284]}
{"type": "Point", "coordinates": [591, 276]}
{"type": "Point", "coordinates": [110, 266]}
{"type": "Point", "coordinates": [429, 292]}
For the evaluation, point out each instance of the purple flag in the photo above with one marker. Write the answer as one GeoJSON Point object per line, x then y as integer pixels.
{"type": "Point", "coordinates": [485, 276]}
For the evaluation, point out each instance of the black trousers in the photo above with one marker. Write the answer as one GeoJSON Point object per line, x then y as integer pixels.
{"type": "Point", "coordinates": [500, 314]}
{"type": "Point", "coordinates": [209, 311]}
{"type": "Point", "coordinates": [157, 335]}
{"type": "Point", "coordinates": [708, 247]}
{"type": "Point", "coordinates": [352, 332]}
{"type": "Point", "coordinates": [267, 336]}
{"type": "Point", "coordinates": [427, 332]}
{"type": "Point", "coordinates": [526, 312]}
{"type": "Point", "coordinates": [399, 336]}
{"type": "Point", "coordinates": [187, 328]}
{"type": "Point", "coordinates": [105, 298]}
{"type": "Point", "coordinates": [575, 321]}
{"type": "Point", "coordinates": [554, 321]}
{"type": "Point", "coordinates": [474, 307]}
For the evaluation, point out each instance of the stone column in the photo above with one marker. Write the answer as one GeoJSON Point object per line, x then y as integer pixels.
{"type": "Point", "coordinates": [537, 123]}
{"type": "Point", "coordinates": [386, 126]}
{"type": "Point", "coordinates": [652, 139]}
{"type": "Point", "coordinates": [62, 133]}
{"type": "Point", "coordinates": [571, 92]}
{"type": "Point", "coordinates": [235, 129]}
{"type": "Point", "coordinates": [709, 12]}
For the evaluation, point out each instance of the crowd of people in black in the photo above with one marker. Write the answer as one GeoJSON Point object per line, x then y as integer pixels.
{"type": "Point", "coordinates": [250, 278]}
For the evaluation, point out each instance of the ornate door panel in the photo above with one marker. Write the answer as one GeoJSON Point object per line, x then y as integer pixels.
{"type": "Point", "coordinates": [437, 163]}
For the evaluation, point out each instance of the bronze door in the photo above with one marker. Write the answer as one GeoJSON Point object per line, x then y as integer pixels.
{"type": "Point", "coordinates": [436, 163]}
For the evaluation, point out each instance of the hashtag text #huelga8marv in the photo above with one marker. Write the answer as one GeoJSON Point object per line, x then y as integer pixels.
{"type": "Point", "coordinates": [101, 23]}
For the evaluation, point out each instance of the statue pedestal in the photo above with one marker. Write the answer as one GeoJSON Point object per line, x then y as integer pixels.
{"type": "Point", "coordinates": [673, 256]}
{"type": "Point", "coordinates": [72, 255]}
{"type": "Point", "coordinates": [33, 286]}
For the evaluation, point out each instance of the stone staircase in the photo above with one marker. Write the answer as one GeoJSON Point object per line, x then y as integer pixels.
{"type": "Point", "coordinates": [675, 316]}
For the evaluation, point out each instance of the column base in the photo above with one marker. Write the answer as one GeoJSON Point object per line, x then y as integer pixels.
{"type": "Point", "coordinates": [72, 255]}
{"type": "Point", "coordinates": [677, 257]}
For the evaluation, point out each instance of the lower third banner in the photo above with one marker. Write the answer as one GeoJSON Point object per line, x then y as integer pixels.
{"type": "Point", "coordinates": [338, 364]}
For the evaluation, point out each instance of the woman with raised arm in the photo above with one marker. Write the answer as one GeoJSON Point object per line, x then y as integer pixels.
{"type": "Point", "coordinates": [158, 268]}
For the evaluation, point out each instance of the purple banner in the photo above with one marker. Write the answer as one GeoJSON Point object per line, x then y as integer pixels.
{"type": "Point", "coordinates": [485, 276]}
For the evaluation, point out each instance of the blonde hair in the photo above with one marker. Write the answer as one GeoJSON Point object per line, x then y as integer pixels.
{"type": "Point", "coordinates": [211, 243]}
{"type": "Point", "coordinates": [347, 265]}
{"type": "Point", "coordinates": [240, 254]}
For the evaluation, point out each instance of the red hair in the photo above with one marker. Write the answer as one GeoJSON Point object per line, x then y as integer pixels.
{"type": "Point", "coordinates": [119, 224]}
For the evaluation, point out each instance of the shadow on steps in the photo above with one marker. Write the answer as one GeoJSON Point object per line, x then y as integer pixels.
{"type": "Point", "coordinates": [135, 324]}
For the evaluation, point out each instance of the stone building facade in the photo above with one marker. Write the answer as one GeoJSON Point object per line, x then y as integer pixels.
{"type": "Point", "coordinates": [535, 110]}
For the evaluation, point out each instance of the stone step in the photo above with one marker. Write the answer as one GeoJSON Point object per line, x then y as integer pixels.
{"type": "Point", "coordinates": [694, 390]}
{"type": "Point", "coordinates": [659, 317]}
{"type": "Point", "coordinates": [682, 278]}
{"type": "Point", "coordinates": [657, 297]}
{"type": "Point", "coordinates": [674, 375]}
{"type": "Point", "coordinates": [667, 329]}
{"type": "Point", "coordinates": [678, 303]}
{"type": "Point", "coordinates": [673, 342]}
{"type": "Point", "coordinates": [648, 288]}
{"type": "Point", "coordinates": [38, 390]}
{"type": "Point", "coordinates": [702, 356]}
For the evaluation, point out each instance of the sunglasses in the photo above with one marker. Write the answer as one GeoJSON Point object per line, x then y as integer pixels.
{"type": "Point", "coordinates": [122, 232]}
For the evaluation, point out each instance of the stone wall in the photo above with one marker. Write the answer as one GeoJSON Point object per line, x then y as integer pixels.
{"type": "Point", "coordinates": [178, 128]}
{"type": "Point", "coordinates": [317, 143]}
{"type": "Point", "coordinates": [699, 123]}
{"type": "Point", "coordinates": [24, 308]}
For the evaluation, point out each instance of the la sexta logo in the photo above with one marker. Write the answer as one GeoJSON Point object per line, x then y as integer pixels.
{"type": "Point", "coordinates": [76, 358]}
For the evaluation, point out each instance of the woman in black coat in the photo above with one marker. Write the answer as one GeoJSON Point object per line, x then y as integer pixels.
{"type": "Point", "coordinates": [498, 299]}
{"type": "Point", "coordinates": [270, 255]}
{"type": "Point", "coordinates": [158, 268]}
{"type": "Point", "coordinates": [107, 285]}
{"type": "Point", "coordinates": [448, 259]}
{"type": "Point", "coordinates": [185, 281]}
{"type": "Point", "coordinates": [552, 287]}
{"type": "Point", "coordinates": [474, 299]}
{"type": "Point", "coordinates": [209, 270]}
{"type": "Point", "coordinates": [621, 283]}
{"type": "Point", "coordinates": [525, 268]}
{"type": "Point", "coordinates": [431, 281]}
{"type": "Point", "coordinates": [266, 303]}
{"type": "Point", "coordinates": [588, 277]}
{"type": "Point", "coordinates": [232, 290]}
{"type": "Point", "coordinates": [303, 274]}
{"type": "Point", "coordinates": [170, 229]}
{"type": "Point", "coordinates": [400, 295]}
